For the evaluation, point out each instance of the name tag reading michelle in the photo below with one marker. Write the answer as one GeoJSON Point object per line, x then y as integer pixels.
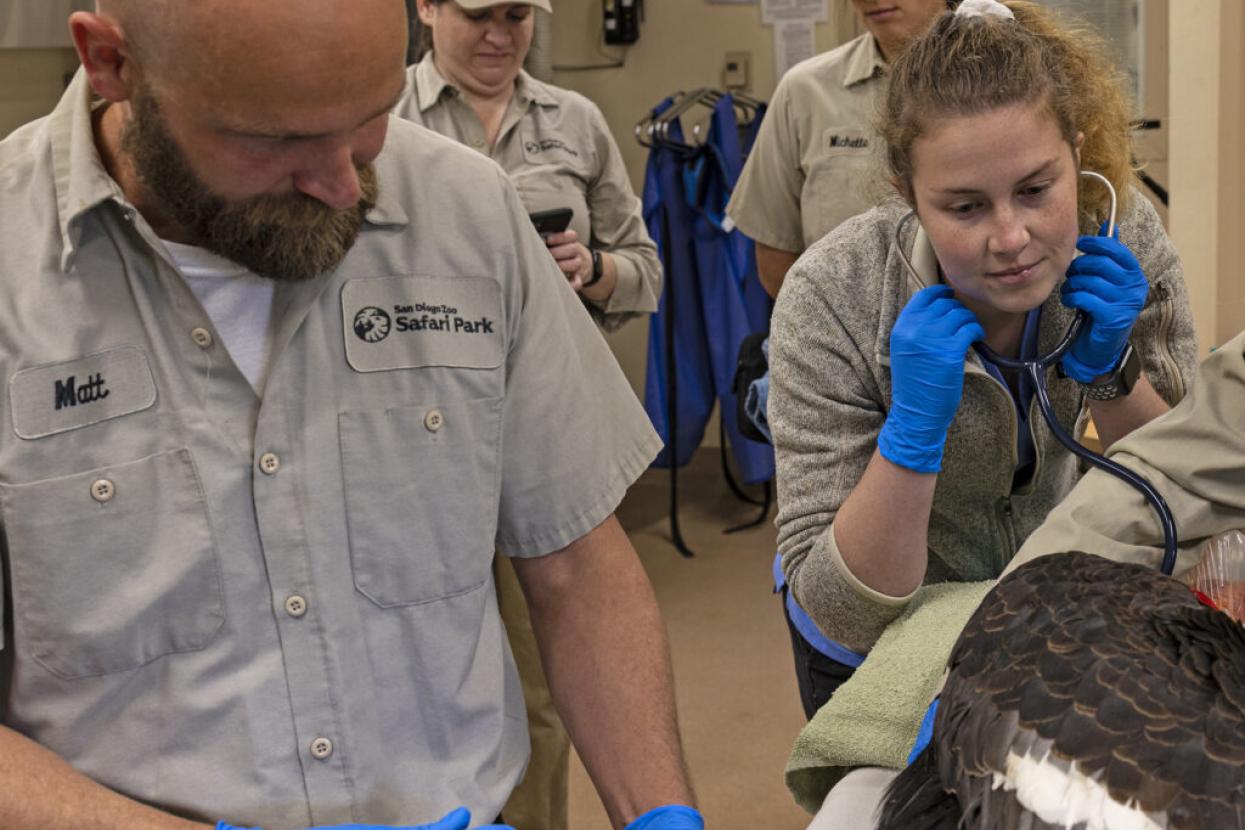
{"type": "Point", "coordinates": [845, 139]}
{"type": "Point", "coordinates": [413, 322]}
{"type": "Point", "coordinates": [48, 400]}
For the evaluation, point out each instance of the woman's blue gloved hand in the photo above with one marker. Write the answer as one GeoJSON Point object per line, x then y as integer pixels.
{"type": "Point", "coordinates": [670, 817]}
{"type": "Point", "coordinates": [1107, 283]}
{"type": "Point", "coordinates": [928, 344]}
{"type": "Point", "coordinates": [459, 819]}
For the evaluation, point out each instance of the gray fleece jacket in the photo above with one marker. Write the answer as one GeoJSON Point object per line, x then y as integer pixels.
{"type": "Point", "coordinates": [831, 389]}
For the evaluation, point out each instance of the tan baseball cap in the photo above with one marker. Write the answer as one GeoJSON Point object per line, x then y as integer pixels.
{"type": "Point", "coordinates": [476, 5]}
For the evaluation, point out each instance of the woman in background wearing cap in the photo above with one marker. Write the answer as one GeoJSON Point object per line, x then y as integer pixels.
{"type": "Point", "coordinates": [553, 143]}
{"type": "Point", "coordinates": [557, 149]}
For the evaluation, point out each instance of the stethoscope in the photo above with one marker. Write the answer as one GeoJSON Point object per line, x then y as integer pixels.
{"type": "Point", "coordinates": [1036, 368]}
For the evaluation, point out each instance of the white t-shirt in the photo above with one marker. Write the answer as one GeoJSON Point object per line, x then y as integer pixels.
{"type": "Point", "coordinates": [239, 304]}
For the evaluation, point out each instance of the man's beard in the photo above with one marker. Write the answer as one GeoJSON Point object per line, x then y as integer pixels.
{"type": "Point", "coordinates": [289, 237]}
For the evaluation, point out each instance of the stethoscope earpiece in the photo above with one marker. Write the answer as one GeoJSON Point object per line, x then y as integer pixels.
{"type": "Point", "coordinates": [1114, 199]}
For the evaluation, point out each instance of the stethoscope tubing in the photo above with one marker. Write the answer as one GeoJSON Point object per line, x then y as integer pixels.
{"type": "Point", "coordinates": [1036, 371]}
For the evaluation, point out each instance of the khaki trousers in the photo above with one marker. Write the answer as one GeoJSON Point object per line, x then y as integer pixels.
{"type": "Point", "coordinates": [539, 802]}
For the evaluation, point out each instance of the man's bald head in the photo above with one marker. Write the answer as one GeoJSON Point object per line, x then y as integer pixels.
{"type": "Point", "coordinates": [173, 40]}
{"type": "Point", "coordinates": [143, 23]}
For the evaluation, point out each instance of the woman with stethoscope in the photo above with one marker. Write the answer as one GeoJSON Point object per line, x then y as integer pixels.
{"type": "Point", "coordinates": [903, 459]}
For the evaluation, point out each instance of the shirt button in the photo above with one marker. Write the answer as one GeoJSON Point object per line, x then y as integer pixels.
{"type": "Point", "coordinates": [433, 421]}
{"type": "Point", "coordinates": [477, 142]}
{"type": "Point", "coordinates": [269, 464]}
{"type": "Point", "coordinates": [321, 748]}
{"type": "Point", "coordinates": [295, 606]}
{"type": "Point", "coordinates": [202, 337]}
{"type": "Point", "coordinates": [103, 490]}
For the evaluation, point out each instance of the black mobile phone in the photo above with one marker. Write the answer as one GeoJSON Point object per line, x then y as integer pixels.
{"type": "Point", "coordinates": [552, 221]}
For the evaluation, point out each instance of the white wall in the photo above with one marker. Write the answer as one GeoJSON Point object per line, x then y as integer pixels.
{"type": "Point", "coordinates": [682, 45]}
{"type": "Point", "coordinates": [1207, 216]}
{"type": "Point", "coordinates": [31, 82]}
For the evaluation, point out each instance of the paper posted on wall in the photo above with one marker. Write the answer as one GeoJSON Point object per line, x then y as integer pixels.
{"type": "Point", "coordinates": [775, 11]}
{"type": "Point", "coordinates": [793, 42]}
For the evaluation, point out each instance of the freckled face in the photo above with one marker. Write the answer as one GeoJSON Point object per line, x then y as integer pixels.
{"type": "Point", "coordinates": [997, 194]}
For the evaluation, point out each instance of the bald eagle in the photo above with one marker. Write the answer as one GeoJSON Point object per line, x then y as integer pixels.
{"type": "Point", "coordinates": [1085, 694]}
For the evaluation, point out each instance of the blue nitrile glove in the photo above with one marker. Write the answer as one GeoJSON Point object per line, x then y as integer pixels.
{"type": "Point", "coordinates": [459, 819]}
{"type": "Point", "coordinates": [925, 733]}
{"type": "Point", "coordinates": [670, 817]}
{"type": "Point", "coordinates": [756, 405]}
{"type": "Point", "coordinates": [928, 344]}
{"type": "Point", "coordinates": [1107, 283]}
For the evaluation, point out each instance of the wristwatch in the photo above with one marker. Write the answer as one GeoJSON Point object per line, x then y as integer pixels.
{"type": "Point", "coordinates": [598, 268]}
{"type": "Point", "coordinates": [1120, 381]}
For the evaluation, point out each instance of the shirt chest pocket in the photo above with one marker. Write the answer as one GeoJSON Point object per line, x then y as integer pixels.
{"type": "Point", "coordinates": [842, 179]}
{"type": "Point", "coordinates": [422, 486]}
{"type": "Point", "coordinates": [555, 173]}
{"type": "Point", "coordinates": [113, 568]}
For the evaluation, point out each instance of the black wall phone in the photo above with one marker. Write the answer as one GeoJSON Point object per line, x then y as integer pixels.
{"type": "Point", "coordinates": [622, 20]}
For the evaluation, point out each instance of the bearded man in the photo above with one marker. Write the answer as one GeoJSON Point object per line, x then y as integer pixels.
{"type": "Point", "coordinates": [248, 505]}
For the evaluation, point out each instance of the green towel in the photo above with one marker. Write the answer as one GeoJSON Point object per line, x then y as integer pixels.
{"type": "Point", "coordinates": [873, 718]}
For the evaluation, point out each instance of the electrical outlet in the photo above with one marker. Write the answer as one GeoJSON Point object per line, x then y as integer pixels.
{"type": "Point", "coordinates": [735, 70]}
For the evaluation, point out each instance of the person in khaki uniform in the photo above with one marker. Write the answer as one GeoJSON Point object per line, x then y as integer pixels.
{"type": "Point", "coordinates": [552, 142]}
{"type": "Point", "coordinates": [282, 374]}
{"type": "Point", "coordinates": [557, 149]}
{"type": "Point", "coordinates": [1194, 456]}
{"type": "Point", "coordinates": [815, 161]}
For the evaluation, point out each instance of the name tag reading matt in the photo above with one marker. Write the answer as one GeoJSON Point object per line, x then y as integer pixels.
{"type": "Point", "coordinates": [47, 400]}
{"type": "Point", "coordinates": [413, 322]}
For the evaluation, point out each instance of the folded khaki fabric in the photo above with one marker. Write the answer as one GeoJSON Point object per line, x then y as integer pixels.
{"type": "Point", "coordinates": [873, 718]}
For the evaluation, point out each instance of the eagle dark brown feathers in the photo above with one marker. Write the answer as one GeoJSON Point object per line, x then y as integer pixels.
{"type": "Point", "coordinates": [1113, 668]}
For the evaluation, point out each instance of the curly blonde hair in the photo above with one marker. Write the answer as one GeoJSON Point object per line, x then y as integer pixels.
{"type": "Point", "coordinates": [969, 65]}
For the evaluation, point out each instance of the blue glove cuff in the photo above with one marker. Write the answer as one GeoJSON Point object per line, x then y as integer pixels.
{"type": "Point", "coordinates": [669, 817]}
{"type": "Point", "coordinates": [1082, 373]}
{"type": "Point", "coordinates": [898, 448]}
{"type": "Point", "coordinates": [925, 733]}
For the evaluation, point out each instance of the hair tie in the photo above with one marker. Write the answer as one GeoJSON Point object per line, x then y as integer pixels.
{"type": "Point", "coordinates": [984, 8]}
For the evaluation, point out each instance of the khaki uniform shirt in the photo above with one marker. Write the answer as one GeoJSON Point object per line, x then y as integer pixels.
{"type": "Point", "coordinates": [280, 612]}
{"type": "Point", "coordinates": [1194, 456]}
{"type": "Point", "coordinates": [557, 149]}
{"type": "Point", "coordinates": [816, 160]}
{"type": "Point", "coordinates": [830, 392]}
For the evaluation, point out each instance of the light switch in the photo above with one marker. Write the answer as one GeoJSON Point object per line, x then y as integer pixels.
{"type": "Point", "coordinates": [735, 70]}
